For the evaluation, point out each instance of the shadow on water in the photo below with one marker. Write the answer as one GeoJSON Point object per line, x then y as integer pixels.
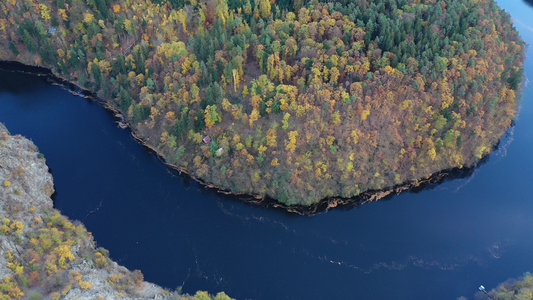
{"type": "Point", "coordinates": [45, 76]}
{"type": "Point", "coordinates": [11, 85]}
{"type": "Point", "coordinates": [529, 2]}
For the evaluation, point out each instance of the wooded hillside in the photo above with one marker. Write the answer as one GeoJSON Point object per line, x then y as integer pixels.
{"type": "Point", "coordinates": [300, 101]}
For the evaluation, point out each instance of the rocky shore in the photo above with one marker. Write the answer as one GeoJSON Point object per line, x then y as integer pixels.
{"type": "Point", "coordinates": [43, 254]}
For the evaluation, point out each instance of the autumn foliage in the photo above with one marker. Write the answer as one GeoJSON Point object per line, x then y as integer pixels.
{"type": "Point", "coordinates": [302, 101]}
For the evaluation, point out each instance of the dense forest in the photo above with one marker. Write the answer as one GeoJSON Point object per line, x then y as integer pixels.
{"type": "Point", "coordinates": [295, 100]}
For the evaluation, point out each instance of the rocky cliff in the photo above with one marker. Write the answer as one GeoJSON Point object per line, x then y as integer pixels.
{"type": "Point", "coordinates": [42, 253]}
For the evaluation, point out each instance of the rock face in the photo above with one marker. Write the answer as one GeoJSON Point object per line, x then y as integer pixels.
{"type": "Point", "coordinates": [42, 253]}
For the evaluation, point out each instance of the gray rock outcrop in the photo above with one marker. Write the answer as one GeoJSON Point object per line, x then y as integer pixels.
{"type": "Point", "coordinates": [31, 265]}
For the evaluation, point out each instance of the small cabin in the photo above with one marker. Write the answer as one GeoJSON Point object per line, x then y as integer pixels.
{"type": "Point", "coordinates": [207, 139]}
{"type": "Point", "coordinates": [52, 30]}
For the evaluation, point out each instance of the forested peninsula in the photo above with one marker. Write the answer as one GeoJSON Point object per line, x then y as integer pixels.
{"type": "Point", "coordinates": [294, 100]}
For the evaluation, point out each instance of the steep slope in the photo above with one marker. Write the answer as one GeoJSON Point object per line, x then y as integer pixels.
{"type": "Point", "coordinates": [44, 254]}
{"type": "Point", "coordinates": [292, 101]}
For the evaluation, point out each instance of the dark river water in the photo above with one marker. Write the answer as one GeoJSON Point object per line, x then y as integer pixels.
{"type": "Point", "coordinates": [439, 243]}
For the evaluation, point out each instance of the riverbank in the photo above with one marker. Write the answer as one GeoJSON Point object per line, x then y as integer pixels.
{"type": "Point", "coordinates": [322, 206]}
{"type": "Point", "coordinates": [43, 253]}
{"type": "Point", "coordinates": [280, 132]}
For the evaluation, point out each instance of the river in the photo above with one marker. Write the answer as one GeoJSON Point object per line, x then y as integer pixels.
{"type": "Point", "coordinates": [438, 243]}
